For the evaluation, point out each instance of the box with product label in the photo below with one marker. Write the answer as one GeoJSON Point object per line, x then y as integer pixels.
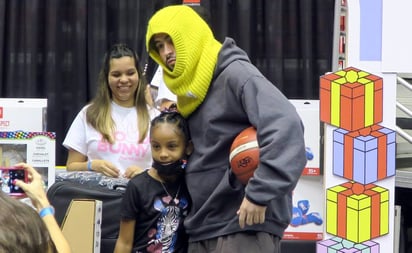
{"type": "Point", "coordinates": [35, 148]}
{"type": "Point", "coordinates": [308, 111]}
{"type": "Point", "coordinates": [308, 196]}
{"type": "Point", "coordinates": [23, 114]}
{"type": "Point", "coordinates": [308, 216]}
{"type": "Point", "coordinates": [82, 224]}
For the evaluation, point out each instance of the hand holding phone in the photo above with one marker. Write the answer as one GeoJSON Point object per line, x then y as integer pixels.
{"type": "Point", "coordinates": [7, 177]}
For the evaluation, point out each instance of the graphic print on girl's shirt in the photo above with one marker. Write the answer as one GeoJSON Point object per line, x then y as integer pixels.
{"type": "Point", "coordinates": [164, 236]}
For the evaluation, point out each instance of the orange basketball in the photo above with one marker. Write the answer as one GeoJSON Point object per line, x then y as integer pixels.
{"type": "Point", "coordinates": [244, 154]}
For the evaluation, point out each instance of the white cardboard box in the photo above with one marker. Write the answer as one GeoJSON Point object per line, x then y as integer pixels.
{"type": "Point", "coordinates": [23, 114]}
{"type": "Point", "coordinates": [82, 225]}
{"type": "Point", "coordinates": [308, 196]}
{"type": "Point", "coordinates": [35, 148]}
{"type": "Point", "coordinates": [308, 111]}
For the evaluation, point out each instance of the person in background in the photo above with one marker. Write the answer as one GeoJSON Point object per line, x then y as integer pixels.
{"type": "Point", "coordinates": [220, 93]}
{"type": "Point", "coordinates": [165, 98]}
{"type": "Point", "coordinates": [110, 135]}
{"type": "Point", "coordinates": [22, 229]}
{"type": "Point", "coordinates": [156, 201]}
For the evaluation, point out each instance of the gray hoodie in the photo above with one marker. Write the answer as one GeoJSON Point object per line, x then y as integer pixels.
{"type": "Point", "coordinates": [238, 97]}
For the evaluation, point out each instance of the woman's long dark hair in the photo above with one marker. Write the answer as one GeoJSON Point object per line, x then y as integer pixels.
{"type": "Point", "coordinates": [99, 115]}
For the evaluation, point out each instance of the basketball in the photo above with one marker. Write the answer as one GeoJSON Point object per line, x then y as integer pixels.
{"type": "Point", "coordinates": [244, 154]}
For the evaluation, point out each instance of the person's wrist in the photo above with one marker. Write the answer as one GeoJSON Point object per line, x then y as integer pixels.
{"type": "Point", "coordinates": [42, 203]}
{"type": "Point", "coordinates": [48, 210]}
{"type": "Point", "coordinates": [89, 165]}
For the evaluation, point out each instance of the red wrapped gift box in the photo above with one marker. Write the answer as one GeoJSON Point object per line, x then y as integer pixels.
{"type": "Point", "coordinates": [351, 99]}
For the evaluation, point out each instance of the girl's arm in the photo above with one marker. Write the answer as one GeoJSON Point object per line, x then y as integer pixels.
{"type": "Point", "coordinates": [124, 243]}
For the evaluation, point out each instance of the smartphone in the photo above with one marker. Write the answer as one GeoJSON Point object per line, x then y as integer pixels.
{"type": "Point", "coordinates": [7, 176]}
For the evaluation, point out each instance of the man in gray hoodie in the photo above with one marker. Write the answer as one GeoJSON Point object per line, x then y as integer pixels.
{"type": "Point", "coordinates": [221, 93]}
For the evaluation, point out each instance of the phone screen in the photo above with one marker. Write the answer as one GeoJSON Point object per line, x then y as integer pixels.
{"type": "Point", "coordinates": [7, 176]}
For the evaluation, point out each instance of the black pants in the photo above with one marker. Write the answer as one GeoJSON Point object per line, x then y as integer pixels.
{"type": "Point", "coordinates": [259, 242]}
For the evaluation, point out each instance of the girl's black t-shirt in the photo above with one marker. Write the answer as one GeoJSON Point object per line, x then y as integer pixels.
{"type": "Point", "coordinates": [159, 211]}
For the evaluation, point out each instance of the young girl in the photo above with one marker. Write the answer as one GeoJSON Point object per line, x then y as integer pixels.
{"type": "Point", "coordinates": [157, 200]}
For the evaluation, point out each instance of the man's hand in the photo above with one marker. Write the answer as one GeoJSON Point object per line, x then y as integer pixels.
{"type": "Point", "coordinates": [250, 213]}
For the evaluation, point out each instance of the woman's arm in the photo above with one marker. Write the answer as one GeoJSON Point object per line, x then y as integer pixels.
{"type": "Point", "coordinates": [76, 161]}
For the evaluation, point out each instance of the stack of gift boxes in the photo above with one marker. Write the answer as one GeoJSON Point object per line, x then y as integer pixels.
{"type": "Point", "coordinates": [357, 211]}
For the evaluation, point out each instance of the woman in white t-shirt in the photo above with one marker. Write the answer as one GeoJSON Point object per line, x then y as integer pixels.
{"type": "Point", "coordinates": [110, 135]}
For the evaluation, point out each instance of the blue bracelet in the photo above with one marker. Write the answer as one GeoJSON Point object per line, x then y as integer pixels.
{"type": "Point", "coordinates": [89, 165]}
{"type": "Point", "coordinates": [46, 211]}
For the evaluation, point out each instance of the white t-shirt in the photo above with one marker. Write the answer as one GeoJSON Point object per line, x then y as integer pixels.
{"type": "Point", "coordinates": [163, 92]}
{"type": "Point", "coordinates": [125, 151]}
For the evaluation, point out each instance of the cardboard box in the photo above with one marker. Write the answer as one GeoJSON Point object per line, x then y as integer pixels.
{"type": "Point", "coordinates": [23, 114]}
{"type": "Point", "coordinates": [82, 225]}
{"type": "Point", "coordinates": [308, 195]}
{"type": "Point", "coordinates": [308, 210]}
{"type": "Point", "coordinates": [35, 148]}
{"type": "Point", "coordinates": [308, 111]}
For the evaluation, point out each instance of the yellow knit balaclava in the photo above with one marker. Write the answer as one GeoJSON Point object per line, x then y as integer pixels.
{"type": "Point", "coordinates": [196, 54]}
